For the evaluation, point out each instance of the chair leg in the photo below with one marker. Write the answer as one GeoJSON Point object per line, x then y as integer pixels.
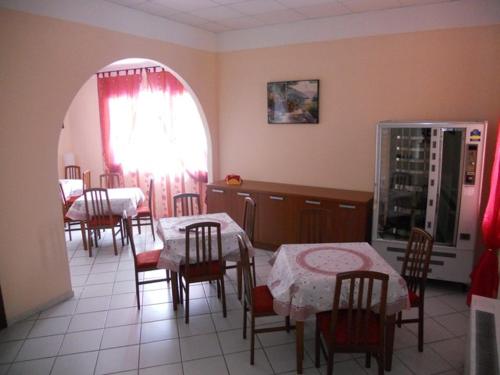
{"type": "Point", "coordinates": [252, 339]}
{"type": "Point", "coordinates": [254, 274]}
{"type": "Point", "coordinates": [137, 291]}
{"type": "Point", "coordinates": [186, 310]}
{"type": "Point", "coordinates": [181, 291]}
{"type": "Point", "coordinates": [421, 328]}
{"type": "Point", "coordinates": [138, 218]}
{"type": "Point", "coordinates": [329, 367]}
{"type": "Point", "coordinates": [287, 324]}
{"type": "Point", "coordinates": [69, 230]}
{"type": "Point", "coordinates": [399, 318]}
{"type": "Point", "coordinates": [89, 241]}
{"type": "Point", "coordinates": [381, 362]}
{"type": "Point", "coordinates": [175, 290]}
{"type": "Point", "coordinates": [244, 320]}
{"type": "Point", "coordinates": [317, 343]}
{"type": "Point", "coordinates": [368, 361]}
{"type": "Point", "coordinates": [122, 226]}
{"type": "Point", "coordinates": [218, 289]}
{"type": "Point", "coordinates": [239, 278]}
{"type": "Point", "coordinates": [114, 240]}
{"type": "Point", "coordinates": [152, 227]}
{"type": "Point", "coordinates": [223, 292]}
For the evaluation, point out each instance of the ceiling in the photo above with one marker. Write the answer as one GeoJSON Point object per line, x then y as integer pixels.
{"type": "Point", "coordinates": [226, 15]}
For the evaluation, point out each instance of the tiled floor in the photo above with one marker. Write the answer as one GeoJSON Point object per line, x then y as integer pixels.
{"type": "Point", "coordinates": [100, 330]}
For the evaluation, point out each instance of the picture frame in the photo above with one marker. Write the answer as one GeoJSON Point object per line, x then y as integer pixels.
{"type": "Point", "coordinates": [293, 102]}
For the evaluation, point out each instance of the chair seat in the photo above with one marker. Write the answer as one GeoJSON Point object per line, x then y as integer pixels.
{"type": "Point", "coordinates": [343, 334]}
{"type": "Point", "coordinates": [200, 270]}
{"type": "Point", "coordinates": [147, 259]}
{"type": "Point", "coordinates": [262, 300]}
{"type": "Point", "coordinates": [103, 221]}
{"type": "Point", "coordinates": [414, 298]}
{"type": "Point", "coordinates": [143, 210]}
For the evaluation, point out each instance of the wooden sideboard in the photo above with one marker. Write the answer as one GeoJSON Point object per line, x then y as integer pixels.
{"type": "Point", "coordinates": [279, 206]}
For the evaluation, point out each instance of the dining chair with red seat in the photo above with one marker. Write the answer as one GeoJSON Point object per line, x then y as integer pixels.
{"type": "Point", "coordinates": [72, 172]}
{"type": "Point", "coordinates": [315, 225]}
{"type": "Point", "coordinates": [357, 326]}
{"type": "Point", "coordinates": [86, 179]}
{"type": "Point", "coordinates": [203, 262]}
{"type": "Point", "coordinates": [189, 204]}
{"type": "Point", "coordinates": [144, 262]}
{"type": "Point", "coordinates": [110, 180]}
{"type": "Point", "coordinates": [67, 221]}
{"type": "Point", "coordinates": [414, 271]}
{"type": "Point", "coordinates": [249, 228]}
{"type": "Point", "coordinates": [257, 300]}
{"type": "Point", "coordinates": [145, 211]}
{"type": "Point", "coordinates": [99, 216]}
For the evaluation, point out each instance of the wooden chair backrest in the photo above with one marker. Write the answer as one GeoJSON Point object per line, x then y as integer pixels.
{"type": "Point", "coordinates": [360, 304]}
{"type": "Point", "coordinates": [204, 253]}
{"type": "Point", "coordinates": [189, 204]}
{"type": "Point", "coordinates": [97, 207]}
{"type": "Point", "coordinates": [110, 180]}
{"type": "Point", "coordinates": [151, 195]}
{"type": "Point", "coordinates": [86, 179]}
{"type": "Point", "coordinates": [316, 225]}
{"type": "Point", "coordinates": [249, 218]}
{"type": "Point", "coordinates": [72, 172]}
{"type": "Point", "coordinates": [417, 260]}
{"type": "Point", "coordinates": [63, 200]}
{"type": "Point", "coordinates": [248, 281]}
{"type": "Point", "coordinates": [130, 235]}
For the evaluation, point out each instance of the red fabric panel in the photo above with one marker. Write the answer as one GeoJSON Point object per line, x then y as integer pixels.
{"type": "Point", "coordinates": [343, 334]}
{"type": "Point", "coordinates": [200, 270]}
{"type": "Point", "coordinates": [262, 300]}
{"type": "Point", "coordinates": [143, 210]}
{"type": "Point", "coordinates": [414, 298]}
{"type": "Point", "coordinates": [148, 259]}
{"type": "Point", "coordinates": [164, 81]}
{"type": "Point", "coordinates": [93, 223]}
{"type": "Point", "coordinates": [484, 277]}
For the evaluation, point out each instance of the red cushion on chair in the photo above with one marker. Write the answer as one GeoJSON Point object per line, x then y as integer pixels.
{"type": "Point", "coordinates": [200, 270]}
{"type": "Point", "coordinates": [72, 198]}
{"type": "Point", "coordinates": [148, 259]}
{"type": "Point", "coordinates": [414, 298]}
{"type": "Point", "coordinates": [262, 300]}
{"type": "Point", "coordinates": [343, 334]}
{"type": "Point", "coordinates": [105, 221]}
{"type": "Point", "coordinates": [143, 211]}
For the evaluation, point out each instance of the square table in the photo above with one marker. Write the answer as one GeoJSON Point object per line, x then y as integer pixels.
{"type": "Point", "coordinates": [71, 187]}
{"type": "Point", "coordinates": [302, 282]}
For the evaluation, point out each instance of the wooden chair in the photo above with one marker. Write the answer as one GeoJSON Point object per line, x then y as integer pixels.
{"type": "Point", "coordinates": [110, 180]}
{"type": "Point", "coordinates": [257, 300]}
{"type": "Point", "coordinates": [99, 216]}
{"type": "Point", "coordinates": [355, 328]}
{"type": "Point", "coordinates": [144, 262]}
{"type": "Point", "coordinates": [415, 269]}
{"type": "Point", "coordinates": [187, 201]}
{"type": "Point", "coordinates": [68, 223]}
{"type": "Point", "coordinates": [205, 264]}
{"type": "Point", "coordinates": [72, 172]}
{"type": "Point", "coordinates": [249, 228]}
{"type": "Point", "coordinates": [86, 179]}
{"type": "Point", "coordinates": [315, 225]}
{"type": "Point", "coordinates": [145, 211]}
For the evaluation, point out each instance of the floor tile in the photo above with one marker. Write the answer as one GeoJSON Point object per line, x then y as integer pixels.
{"type": "Point", "coordinates": [233, 320]}
{"type": "Point", "coordinates": [239, 364]}
{"type": "Point", "coordinates": [152, 297]}
{"type": "Point", "coordinates": [121, 317]}
{"type": "Point", "coordinates": [124, 287]}
{"type": "Point", "coordinates": [159, 330]}
{"type": "Point", "coordinates": [117, 359]}
{"type": "Point", "coordinates": [4, 369]}
{"type": "Point", "coordinates": [121, 336]}
{"type": "Point", "coordinates": [453, 351]}
{"type": "Point", "coordinates": [198, 325]}
{"type": "Point", "coordinates": [9, 350]}
{"type": "Point", "coordinates": [197, 307]}
{"type": "Point", "coordinates": [104, 267]}
{"type": "Point", "coordinates": [195, 347]}
{"type": "Point", "coordinates": [65, 308]}
{"type": "Point", "coordinates": [76, 364]}
{"type": "Point", "coordinates": [50, 326]}
{"type": "Point", "coordinates": [101, 278]}
{"type": "Point", "coordinates": [159, 312]}
{"type": "Point", "coordinates": [84, 322]}
{"type": "Point", "coordinates": [433, 331]}
{"type": "Point", "coordinates": [159, 353]}
{"type": "Point", "coordinates": [456, 323]}
{"type": "Point", "coordinates": [232, 303]}
{"type": "Point", "coordinates": [398, 368]}
{"type": "Point", "coordinates": [97, 290]}
{"type": "Point", "coordinates": [120, 301]}
{"type": "Point", "coordinates": [40, 348]}
{"type": "Point", "coordinates": [426, 363]}
{"type": "Point", "coordinates": [17, 331]}
{"type": "Point", "coordinates": [86, 305]}
{"type": "Point", "coordinates": [350, 367]}
{"type": "Point", "coordinates": [283, 358]}
{"type": "Point", "coordinates": [435, 306]}
{"type": "Point", "coordinates": [35, 367]}
{"type": "Point", "coordinates": [206, 366]}
{"type": "Point", "coordinates": [175, 369]}
{"type": "Point", "coordinates": [84, 341]}
{"type": "Point", "coordinates": [275, 338]}
{"type": "Point", "coordinates": [232, 341]}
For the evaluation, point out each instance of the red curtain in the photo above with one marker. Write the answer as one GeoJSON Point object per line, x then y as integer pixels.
{"type": "Point", "coordinates": [110, 87]}
{"type": "Point", "coordinates": [484, 277]}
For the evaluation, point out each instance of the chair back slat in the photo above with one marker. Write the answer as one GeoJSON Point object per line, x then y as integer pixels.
{"type": "Point", "coordinates": [110, 180]}
{"type": "Point", "coordinates": [97, 207]}
{"type": "Point", "coordinates": [315, 225]}
{"type": "Point", "coordinates": [202, 235]}
{"type": "Point", "coordinates": [361, 307]}
{"type": "Point", "coordinates": [72, 172]}
{"type": "Point", "coordinates": [417, 260]}
{"type": "Point", "coordinates": [151, 192]}
{"type": "Point", "coordinates": [249, 218]}
{"type": "Point", "coordinates": [189, 204]}
{"type": "Point", "coordinates": [248, 281]}
{"type": "Point", "coordinates": [130, 235]}
{"type": "Point", "coordinates": [86, 179]}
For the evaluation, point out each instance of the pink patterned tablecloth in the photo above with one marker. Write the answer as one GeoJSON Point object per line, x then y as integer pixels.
{"type": "Point", "coordinates": [174, 239]}
{"type": "Point", "coordinates": [120, 200]}
{"type": "Point", "coordinates": [302, 279]}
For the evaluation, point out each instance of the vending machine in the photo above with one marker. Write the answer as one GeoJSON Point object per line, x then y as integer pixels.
{"type": "Point", "coordinates": [429, 175]}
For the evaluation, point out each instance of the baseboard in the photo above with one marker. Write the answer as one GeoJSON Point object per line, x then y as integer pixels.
{"type": "Point", "coordinates": [54, 301]}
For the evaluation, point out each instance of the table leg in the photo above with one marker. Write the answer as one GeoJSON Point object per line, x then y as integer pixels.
{"type": "Point", "coordinates": [175, 289]}
{"type": "Point", "coordinates": [299, 331]}
{"type": "Point", "coordinates": [84, 237]}
{"type": "Point", "coordinates": [389, 340]}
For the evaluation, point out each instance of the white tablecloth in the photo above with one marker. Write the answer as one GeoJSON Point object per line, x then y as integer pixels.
{"type": "Point", "coordinates": [71, 187]}
{"type": "Point", "coordinates": [302, 280]}
{"type": "Point", "coordinates": [174, 240]}
{"type": "Point", "coordinates": [120, 199]}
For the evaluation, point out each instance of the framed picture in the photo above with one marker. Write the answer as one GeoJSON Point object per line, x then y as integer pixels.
{"type": "Point", "coordinates": [293, 102]}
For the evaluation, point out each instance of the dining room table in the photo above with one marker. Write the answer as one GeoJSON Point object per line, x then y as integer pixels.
{"type": "Point", "coordinates": [303, 277]}
{"type": "Point", "coordinates": [71, 187]}
{"type": "Point", "coordinates": [171, 231]}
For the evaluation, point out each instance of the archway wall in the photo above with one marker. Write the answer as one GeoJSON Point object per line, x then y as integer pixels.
{"type": "Point", "coordinates": [45, 64]}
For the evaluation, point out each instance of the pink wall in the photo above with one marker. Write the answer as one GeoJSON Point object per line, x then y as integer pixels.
{"type": "Point", "coordinates": [44, 63]}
